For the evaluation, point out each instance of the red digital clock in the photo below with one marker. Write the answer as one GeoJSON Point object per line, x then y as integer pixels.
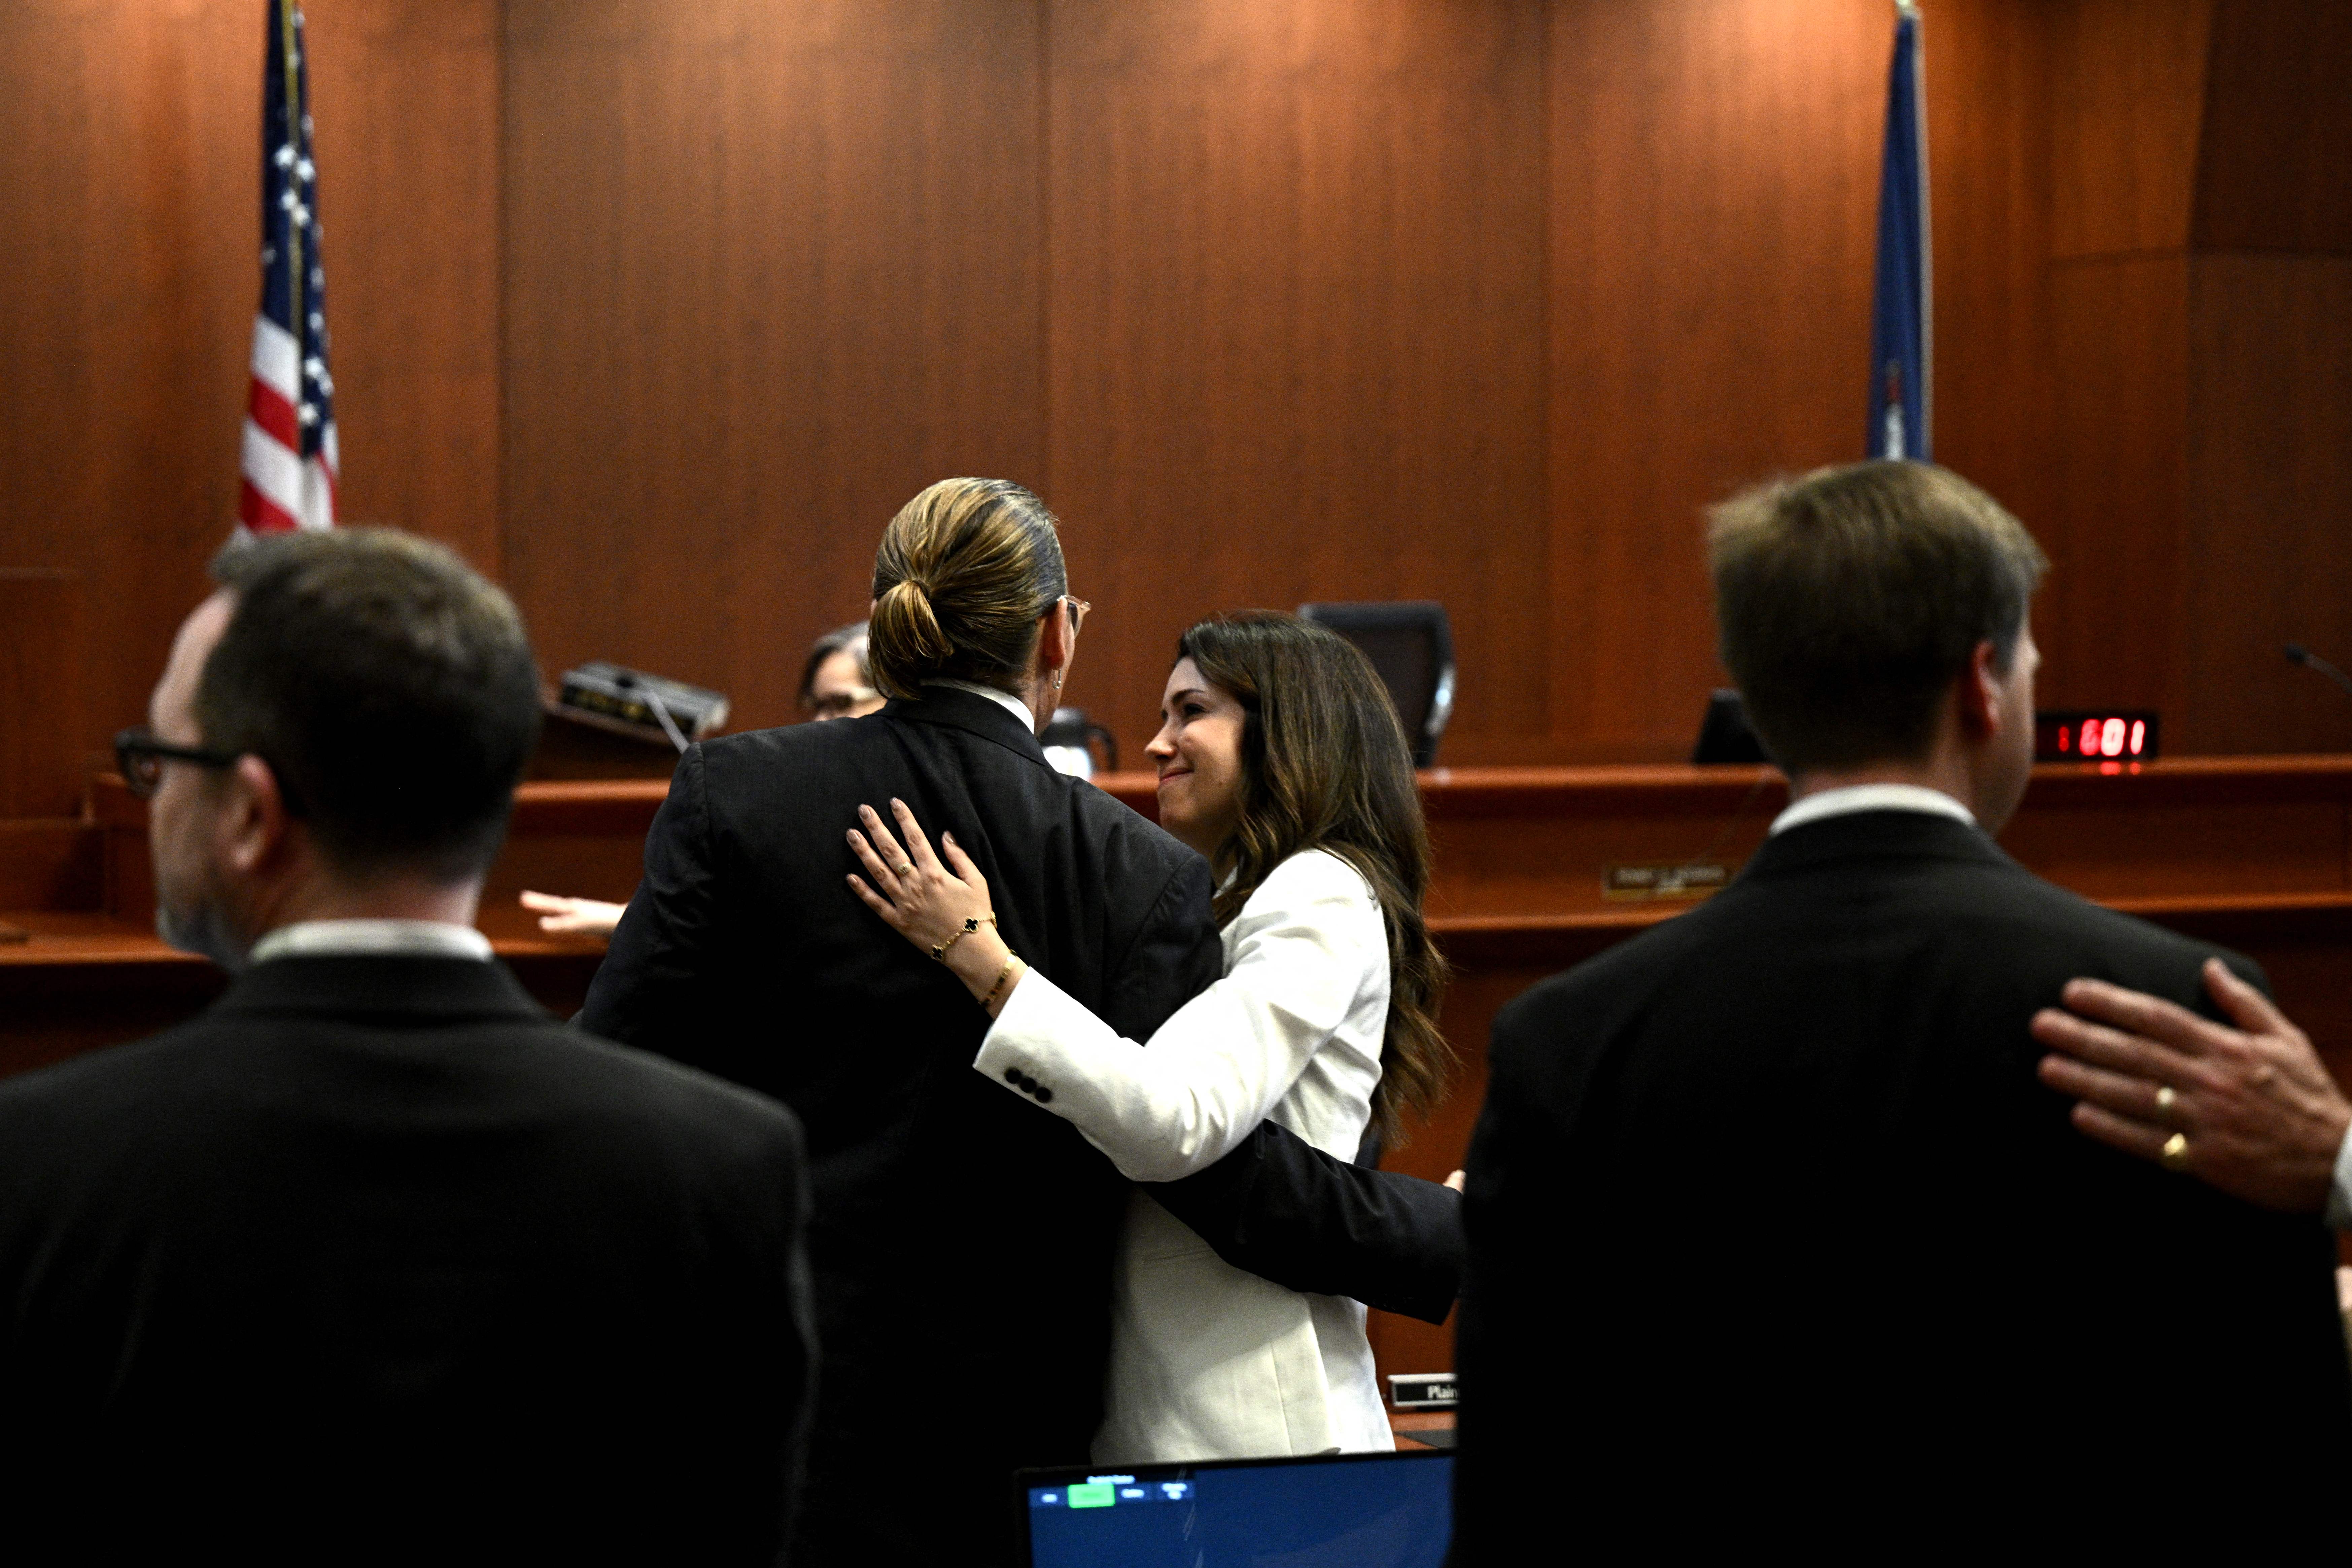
{"type": "Point", "coordinates": [2093, 736]}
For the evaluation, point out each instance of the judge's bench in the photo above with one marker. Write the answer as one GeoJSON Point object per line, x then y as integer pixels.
{"type": "Point", "coordinates": [1537, 869]}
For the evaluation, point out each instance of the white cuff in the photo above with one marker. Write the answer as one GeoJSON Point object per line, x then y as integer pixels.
{"type": "Point", "coordinates": [2339, 1196]}
{"type": "Point", "coordinates": [1023, 1042]}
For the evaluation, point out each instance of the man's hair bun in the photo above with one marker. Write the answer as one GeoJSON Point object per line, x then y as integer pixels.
{"type": "Point", "coordinates": [965, 571]}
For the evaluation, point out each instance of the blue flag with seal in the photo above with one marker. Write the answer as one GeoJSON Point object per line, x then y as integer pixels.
{"type": "Point", "coordinates": [1902, 310]}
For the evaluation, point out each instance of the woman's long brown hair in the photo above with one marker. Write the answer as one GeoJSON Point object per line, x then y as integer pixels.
{"type": "Point", "coordinates": [1325, 766]}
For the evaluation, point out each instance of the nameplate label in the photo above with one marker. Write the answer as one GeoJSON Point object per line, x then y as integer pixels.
{"type": "Point", "coordinates": [1645, 881]}
{"type": "Point", "coordinates": [1421, 1390]}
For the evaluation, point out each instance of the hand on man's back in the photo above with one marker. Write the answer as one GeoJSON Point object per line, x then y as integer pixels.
{"type": "Point", "coordinates": [2255, 1111]}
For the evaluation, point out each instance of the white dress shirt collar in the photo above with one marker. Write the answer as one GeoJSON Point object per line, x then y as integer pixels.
{"type": "Point", "coordinates": [1005, 699]}
{"type": "Point", "coordinates": [1871, 797]}
{"type": "Point", "coordinates": [427, 939]}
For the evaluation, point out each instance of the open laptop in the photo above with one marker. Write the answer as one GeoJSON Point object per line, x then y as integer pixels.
{"type": "Point", "coordinates": [1345, 1510]}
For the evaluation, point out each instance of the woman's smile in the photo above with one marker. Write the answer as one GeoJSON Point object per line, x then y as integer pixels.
{"type": "Point", "coordinates": [1199, 750]}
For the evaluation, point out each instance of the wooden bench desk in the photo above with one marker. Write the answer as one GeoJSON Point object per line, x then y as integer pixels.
{"type": "Point", "coordinates": [2253, 853]}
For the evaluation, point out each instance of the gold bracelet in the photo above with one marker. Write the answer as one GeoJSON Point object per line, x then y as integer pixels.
{"type": "Point", "coordinates": [990, 1000]}
{"type": "Point", "coordinates": [970, 924]}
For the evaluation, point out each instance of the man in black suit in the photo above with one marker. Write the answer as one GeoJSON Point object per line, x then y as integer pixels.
{"type": "Point", "coordinates": [1773, 1232]}
{"type": "Point", "coordinates": [961, 1242]}
{"type": "Point", "coordinates": [374, 1260]}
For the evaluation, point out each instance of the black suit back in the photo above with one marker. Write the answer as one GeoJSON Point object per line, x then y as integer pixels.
{"type": "Point", "coordinates": [375, 1261]}
{"type": "Point", "coordinates": [962, 1239]}
{"type": "Point", "coordinates": [1769, 1202]}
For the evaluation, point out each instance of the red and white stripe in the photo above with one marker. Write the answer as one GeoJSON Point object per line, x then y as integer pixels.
{"type": "Point", "coordinates": [282, 489]}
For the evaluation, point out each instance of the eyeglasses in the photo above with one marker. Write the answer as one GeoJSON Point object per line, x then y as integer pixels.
{"type": "Point", "coordinates": [837, 704]}
{"type": "Point", "coordinates": [1078, 611]}
{"type": "Point", "coordinates": [141, 757]}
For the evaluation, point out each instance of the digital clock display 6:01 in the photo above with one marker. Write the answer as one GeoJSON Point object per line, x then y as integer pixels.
{"type": "Point", "coordinates": [2093, 736]}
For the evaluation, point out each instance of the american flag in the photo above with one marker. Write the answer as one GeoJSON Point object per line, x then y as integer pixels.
{"type": "Point", "coordinates": [289, 426]}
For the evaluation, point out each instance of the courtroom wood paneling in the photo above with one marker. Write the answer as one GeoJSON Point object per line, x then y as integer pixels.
{"type": "Point", "coordinates": [2272, 170]}
{"type": "Point", "coordinates": [662, 310]}
{"type": "Point", "coordinates": [43, 656]}
{"type": "Point", "coordinates": [2202, 356]}
{"type": "Point", "coordinates": [2107, 619]}
{"type": "Point", "coordinates": [2268, 544]}
{"type": "Point", "coordinates": [1297, 327]}
{"type": "Point", "coordinates": [130, 164]}
{"type": "Point", "coordinates": [130, 159]}
{"type": "Point", "coordinates": [771, 270]}
{"type": "Point", "coordinates": [1714, 187]}
{"type": "Point", "coordinates": [49, 863]}
{"type": "Point", "coordinates": [1989, 84]}
{"type": "Point", "coordinates": [2127, 91]}
{"type": "Point", "coordinates": [405, 97]}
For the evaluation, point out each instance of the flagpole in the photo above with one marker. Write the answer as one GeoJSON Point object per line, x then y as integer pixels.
{"type": "Point", "coordinates": [1902, 362]}
{"type": "Point", "coordinates": [1927, 226]}
{"type": "Point", "coordinates": [296, 294]}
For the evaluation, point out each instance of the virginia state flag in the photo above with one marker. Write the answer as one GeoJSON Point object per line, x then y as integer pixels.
{"type": "Point", "coordinates": [1902, 312]}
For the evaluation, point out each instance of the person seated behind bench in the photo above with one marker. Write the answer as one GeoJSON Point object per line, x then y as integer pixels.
{"type": "Point", "coordinates": [835, 683]}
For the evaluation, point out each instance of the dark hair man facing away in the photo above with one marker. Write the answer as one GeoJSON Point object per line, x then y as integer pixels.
{"type": "Point", "coordinates": [1774, 1234]}
{"type": "Point", "coordinates": [374, 1260]}
{"type": "Point", "coordinates": [961, 1244]}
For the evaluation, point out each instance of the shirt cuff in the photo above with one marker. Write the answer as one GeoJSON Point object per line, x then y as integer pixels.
{"type": "Point", "coordinates": [2339, 1196]}
{"type": "Point", "coordinates": [1033, 1014]}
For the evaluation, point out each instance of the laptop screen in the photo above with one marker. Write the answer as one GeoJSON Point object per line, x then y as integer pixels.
{"type": "Point", "coordinates": [1346, 1511]}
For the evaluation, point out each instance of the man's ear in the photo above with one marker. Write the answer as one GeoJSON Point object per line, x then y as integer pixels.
{"type": "Point", "coordinates": [1056, 641]}
{"type": "Point", "coordinates": [256, 829]}
{"type": "Point", "coordinates": [1981, 694]}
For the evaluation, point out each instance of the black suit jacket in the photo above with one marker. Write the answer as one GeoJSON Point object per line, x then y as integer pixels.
{"type": "Point", "coordinates": [375, 1261]}
{"type": "Point", "coordinates": [1772, 1224]}
{"type": "Point", "coordinates": [962, 1239]}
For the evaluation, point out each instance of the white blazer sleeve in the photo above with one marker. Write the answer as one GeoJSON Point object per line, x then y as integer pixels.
{"type": "Point", "coordinates": [1304, 949]}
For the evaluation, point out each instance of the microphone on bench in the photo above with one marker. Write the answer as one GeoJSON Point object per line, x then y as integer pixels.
{"type": "Point", "coordinates": [2298, 653]}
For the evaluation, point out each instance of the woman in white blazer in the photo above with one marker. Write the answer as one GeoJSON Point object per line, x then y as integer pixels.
{"type": "Point", "coordinates": [1281, 760]}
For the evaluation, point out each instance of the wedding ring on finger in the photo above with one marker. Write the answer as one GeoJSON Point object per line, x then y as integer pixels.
{"type": "Point", "coordinates": [904, 868]}
{"type": "Point", "coordinates": [2174, 1157]}
{"type": "Point", "coordinates": [2164, 1100]}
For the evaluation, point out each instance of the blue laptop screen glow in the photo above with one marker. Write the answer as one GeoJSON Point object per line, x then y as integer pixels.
{"type": "Point", "coordinates": [1371, 1512]}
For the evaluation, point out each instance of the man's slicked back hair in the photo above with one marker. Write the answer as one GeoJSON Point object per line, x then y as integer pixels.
{"type": "Point", "coordinates": [1848, 601]}
{"type": "Point", "coordinates": [389, 686]}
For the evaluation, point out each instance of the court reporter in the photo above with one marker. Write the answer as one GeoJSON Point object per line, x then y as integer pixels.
{"type": "Point", "coordinates": [1282, 762]}
{"type": "Point", "coordinates": [2243, 1103]}
{"type": "Point", "coordinates": [835, 683]}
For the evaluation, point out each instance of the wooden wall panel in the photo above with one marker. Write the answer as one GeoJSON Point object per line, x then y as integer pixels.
{"type": "Point", "coordinates": [405, 96]}
{"type": "Point", "coordinates": [130, 164]}
{"type": "Point", "coordinates": [2268, 524]}
{"type": "Point", "coordinates": [662, 310]}
{"type": "Point", "coordinates": [771, 270]}
{"type": "Point", "coordinates": [1297, 326]}
{"type": "Point", "coordinates": [1713, 196]}
{"type": "Point", "coordinates": [2127, 84]}
{"type": "Point", "coordinates": [1988, 83]}
{"type": "Point", "coordinates": [127, 284]}
{"type": "Point", "coordinates": [2272, 172]}
{"type": "Point", "coordinates": [43, 659]}
{"type": "Point", "coordinates": [2203, 397]}
{"type": "Point", "coordinates": [2108, 616]}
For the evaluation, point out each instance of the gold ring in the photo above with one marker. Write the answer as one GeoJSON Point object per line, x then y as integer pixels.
{"type": "Point", "coordinates": [905, 870]}
{"type": "Point", "coordinates": [2165, 1100]}
{"type": "Point", "coordinates": [2175, 1152]}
